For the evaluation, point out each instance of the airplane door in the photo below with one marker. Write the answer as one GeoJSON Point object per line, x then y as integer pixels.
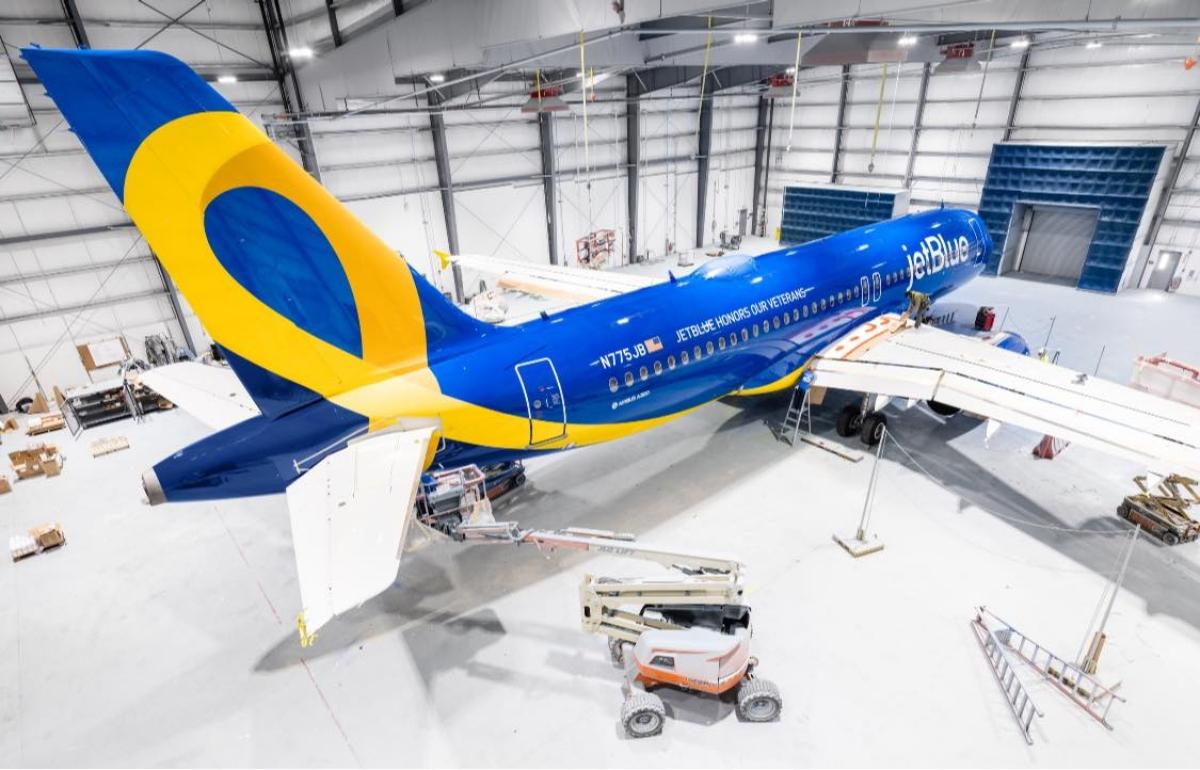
{"type": "Point", "coordinates": [543, 400]}
{"type": "Point", "coordinates": [877, 287]}
{"type": "Point", "coordinates": [864, 290]}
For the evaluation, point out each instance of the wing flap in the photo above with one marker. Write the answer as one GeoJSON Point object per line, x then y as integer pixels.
{"type": "Point", "coordinates": [896, 359]}
{"type": "Point", "coordinates": [350, 515]}
{"type": "Point", "coordinates": [554, 280]}
{"type": "Point", "coordinates": [211, 394]}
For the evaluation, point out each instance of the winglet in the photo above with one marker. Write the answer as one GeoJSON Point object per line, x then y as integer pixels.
{"type": "Point", "coordinates": [444, 257]}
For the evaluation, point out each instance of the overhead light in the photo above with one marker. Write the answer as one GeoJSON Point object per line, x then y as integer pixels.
{"type": "Point", "coordinates": [1021, 42]}
{"type": "Point", "coordinates": [908, 41]}
{"type": "Point", "coordinates": [579, 74]}
{"type": "Point", "coordinates": [745, 38]}
{"type": "Point", "coordinates": [300, 52]}
{"type": "Point", "coordinates": [791, 70]}
{"type": "Point", "coordinates": [227, 78]}
{"type": "Point", "coordinates": [600, 76]}
{"type": "Point", "coordinates": [1145, 35]}
{"type": "Point", "coordinates": [437, 77]}
{"type": "Point", "coordinates": [1094, 44]}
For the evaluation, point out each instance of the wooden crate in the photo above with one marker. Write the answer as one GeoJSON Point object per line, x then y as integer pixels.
{"type": "Point", "coordinates": [5, 484]}
{"type": "Point", "coordinates": [36, 461]}
{"type": "Point", "coordinates": [107, 446]}
{"type": "Point", "coordinates": [38, 540]}
{"type": "Point", "coordinates": [47, 423]}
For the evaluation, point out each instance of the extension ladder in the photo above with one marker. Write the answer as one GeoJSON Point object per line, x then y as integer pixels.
{"type": "Point", "coordinates": [797, 413]}
{"type": "Point", "coordinates": [1022, 706]}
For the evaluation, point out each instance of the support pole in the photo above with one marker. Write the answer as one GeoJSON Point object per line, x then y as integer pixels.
{"type": "Point", "coordinates": [766, 188]}
{"type": "Point", "coordinates": [75, 23]}
{"type": "Point", "coordinates": [289, 85]}
{"type": "Point", "coordinates": [546, 137]}
{"type": "Point", "coordinates": [760, 144]}
{"type": "Point", "coordinates": [862, 543]}
{"type": "Point", "coordinates": [441, 157]}
{"type": "Point", "coordinates": [1168, 189]}
{"type": "Point", "coordinates": [633, 138]}
{"type": "Point", "coordinates": [926, 70]}
{"type": "Point", "coordinates": [334, 31]}
{"type": "Point", "coordinates": [841, 122]}
{"type": "Point", "coordinates": [1092, 660]}
{"type": "Point", "coordinates": [176, 308]}
{"type": "Point", "coordinates": [703, 148]}
{"type": "Point", "coordinates": [1015, 100]}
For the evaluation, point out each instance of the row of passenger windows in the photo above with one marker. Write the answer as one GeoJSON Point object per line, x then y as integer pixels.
{"type": "Point", "coordinates": [813, 308]}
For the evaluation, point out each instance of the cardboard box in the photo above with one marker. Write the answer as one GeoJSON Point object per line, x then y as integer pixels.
{"type": "Point", "coordinates": [48, 535]}
{"type": "Point", "coordinates": [5, 485]}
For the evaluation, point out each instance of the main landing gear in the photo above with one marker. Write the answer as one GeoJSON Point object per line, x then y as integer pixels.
{"type": "Point", "coordinates": [857, 419]}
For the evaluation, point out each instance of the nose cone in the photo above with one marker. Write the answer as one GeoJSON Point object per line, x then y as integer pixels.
{"type": "Point", "coordinates": [154, 491]}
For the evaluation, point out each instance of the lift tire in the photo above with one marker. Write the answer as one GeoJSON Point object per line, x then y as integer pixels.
{"type": "Point", "coordinates": [1170, 538]}
{"type": "Point", "coordinates": [849, 420]}
{"type": "Point", "coordinates": [24, 405]}
{"type": "Point", "coordinates": [945, 410]}
{"type": "Point", "coordinates": [643, 715]}
{"type": "Point", "coordinates": [616, 652]}
{"type": "Point", "coordinates": [872, 428]}
{"type": "Point", "coordinates": [758, 700]}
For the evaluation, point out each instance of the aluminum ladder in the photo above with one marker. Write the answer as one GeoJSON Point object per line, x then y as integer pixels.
{"type": "Point", "coordinates": [1084, 689]}
{"type": "Point", "coordinates": [797, 414]}
{"type": "Point", "coordinates": [1022, 706]}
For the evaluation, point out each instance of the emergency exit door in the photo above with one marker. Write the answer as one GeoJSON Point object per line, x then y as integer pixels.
{"type": "Point", "coordinates": [543, 401]}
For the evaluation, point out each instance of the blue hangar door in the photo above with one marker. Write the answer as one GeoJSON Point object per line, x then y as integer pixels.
{"type": "Point", "coordinates": [544, 400]}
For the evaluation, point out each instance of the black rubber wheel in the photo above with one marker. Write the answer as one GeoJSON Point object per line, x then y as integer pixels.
{"type": "Point", "coordinates": [1170, 538]}
{"type": "Point", "coordinates": [23, 406]}
{"type": "Point", "coordinates": [945, 410]}
{"type": "Point", "coordinates": [758, 700]}
{"type": "Point", "coordinates": [518, 480]}
{"type": "Point", "coordinates": [873, 426]}
{"type": "Point", "coordinates": [643, 715]}
{"type": "Point", "coordinates": [849, 420]}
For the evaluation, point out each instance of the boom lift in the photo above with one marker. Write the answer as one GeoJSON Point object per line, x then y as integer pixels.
{"type": "Point", "coordinates": [690, 632]}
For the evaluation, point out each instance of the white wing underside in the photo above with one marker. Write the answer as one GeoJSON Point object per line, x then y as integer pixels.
{"type": "Point", "coordinates": [890, 357]}
{"type": "Point", "coordinates": [557, 281]}
{"type": "Point", "coordinates": [211, 394]}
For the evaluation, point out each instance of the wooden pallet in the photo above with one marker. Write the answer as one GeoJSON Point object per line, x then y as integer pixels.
{"type": "Point", "coordinates": [107, 446]}
{"type": "Point", "coordinates": [36, 461]}
{"type": "Point", "coordinates": [45, 424]}
{"type": "Point", "coordinates": [45, 537]}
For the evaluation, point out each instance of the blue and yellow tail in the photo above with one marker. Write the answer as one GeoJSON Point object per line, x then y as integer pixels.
{"type": "Point", "coordinates": [307, 300]}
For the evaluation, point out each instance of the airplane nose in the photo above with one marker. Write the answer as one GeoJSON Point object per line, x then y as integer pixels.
{"type": "Point", "coordinates": [154, 491]}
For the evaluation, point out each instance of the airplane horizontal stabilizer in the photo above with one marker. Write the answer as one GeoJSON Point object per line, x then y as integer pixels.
{"type": "Point", "coordinates": [211, 394]}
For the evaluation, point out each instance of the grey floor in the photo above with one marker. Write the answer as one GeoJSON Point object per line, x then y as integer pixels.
{"type": "Point", "coordinates": [165, 636]}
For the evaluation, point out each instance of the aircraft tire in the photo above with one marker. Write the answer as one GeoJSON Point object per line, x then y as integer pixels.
{"type": "Point", "coordinates": [849, 420]}
{"type": "Point", "coordinates": [872, 428]}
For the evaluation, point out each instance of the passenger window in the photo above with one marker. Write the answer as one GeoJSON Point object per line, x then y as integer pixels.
{"type": "Point", "coordinates": [795, 315]}
{"type": "Point", "coordinates": [644, 374]}
{"type": "Point", "coordinates": [696, 352]}
{"type": "Point", "coordinates": [732, 339]}
{"type": "Point", "coordinates": [766, 326]}
{"type": "Point", "coordinates": [708, 347]}
{"type": "Point", "coordinates": [754, 330]}
{"type": "Point", "coordinates": [775, 322]}
{"type": "Point", "coordinates": [612, 384]}
{"type": "Point", "coordinates": [683, 358]}
{"type": "Point", "coordinates": [805, 309]}
{"type": "Point", "coordinates": [721, 343]}
{"type": "Point", "coordinates": [856, 291]}
{"type": "Point", "coordinates": [841, 298]}
{"type": "Point", "coordinates": [671, 361]}
{"type": "Point", "coordinates": [814, 308]}
{"type": "Point", "coordinates": [629, 379]}
{"type": "Point", "coordinates": [745, 335]}
{"type": "Point", "coordinates": [658, 367]}
{"type": "Point", "coordinates": [822, 303]}
{"type": "Point", "coordinates": [831, 300]}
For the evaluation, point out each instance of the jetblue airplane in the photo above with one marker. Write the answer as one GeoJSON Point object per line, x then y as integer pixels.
{"type": "Point", "coordinates": [336, 338]}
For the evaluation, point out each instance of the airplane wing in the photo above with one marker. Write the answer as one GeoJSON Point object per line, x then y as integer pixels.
{"type": "Point", "coordinates": [350, 515]}
{"type": "Point", "coordinates": [889, 356]}
{"type": "Point", "coordinates": [211, 394]}
{"type": "Point", "coordinates": [570, 283]}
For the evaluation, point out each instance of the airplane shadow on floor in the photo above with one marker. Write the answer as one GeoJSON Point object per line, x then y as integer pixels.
{"type": "Point", "coordinates": [438, 591]}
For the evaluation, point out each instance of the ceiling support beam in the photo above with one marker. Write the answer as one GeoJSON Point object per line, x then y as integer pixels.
{"type": "Point", "coordinates": [633, 137]}
{"type": "Point", "coordinates": [840, 129]}
{"type": "Point", "coordinates": [761, 137]}
{"type": "Point", "coordinates": [289, 86]}
{"type": "Point", "coordinates": [173, 296]}
{"type": "Point", "coordinates": [90, 267]}
{"type": "Point", "coordinates": [1010, 124]}
{"type": "Point", "coordinates": [75, 22]}
{"type": "Point", "coordinates": [703, 148]}
{"type": "Point", "coordinates": [441, 159]}
{"type": "Point", "coordinates": [75, 232]}
{"type": "Point", "coordinates": [549, 174]}
{"type": "Point", "coordinates": [334, 31]}
{"type": "Point", "coordinates": [91, 305]}
{"type": "Point", "coordinates": [1169, 185]}
{"type": "Point", "coordinates": [918, 116]}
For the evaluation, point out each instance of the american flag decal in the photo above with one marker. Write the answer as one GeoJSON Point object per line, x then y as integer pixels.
{"type": "Point", "coordinates": [654, 344]}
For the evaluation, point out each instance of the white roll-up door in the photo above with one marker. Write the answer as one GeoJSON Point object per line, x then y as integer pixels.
{"type": "Point", "coordinates": [1058, 241]}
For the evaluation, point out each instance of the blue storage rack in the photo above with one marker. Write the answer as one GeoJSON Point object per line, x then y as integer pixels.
{"type": "Point", "coordinates": [810, 213]}
{"type": "Point", "coordinates": [1115, 179]}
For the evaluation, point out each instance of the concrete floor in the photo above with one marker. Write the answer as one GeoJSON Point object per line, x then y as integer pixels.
{"type": "Point", "coordinates": [164, 636]}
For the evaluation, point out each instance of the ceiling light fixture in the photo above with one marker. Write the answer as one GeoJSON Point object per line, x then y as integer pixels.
{"type": "Point", "coordinates": [791, 70]}
{"type": "Point", "coordinates": [745, 38]}
{"type": "Point", "coordinates": [300, 52]}
{"type": "Point", "coordinates": [1021, 42]}
{"type": "Point", "coordinates": [227, 79]}
{"type": "Point", "coordinates": [437, 77]}
{"type": "Point", "coordinates": [1094, 44]}
{"type": "Point", "coordinates": [908, 41]}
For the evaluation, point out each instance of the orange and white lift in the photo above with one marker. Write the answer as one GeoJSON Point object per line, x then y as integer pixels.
{"type": "Point", "coordinates": [691, 631]}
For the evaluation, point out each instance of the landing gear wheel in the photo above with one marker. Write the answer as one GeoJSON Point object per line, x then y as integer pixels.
{"type": "Point", "coordinates": [1170, 538]}
{"type": "Point", "coordinates": [643, 715]}
{"type": "Point", "coordinates": [758, 700]}
{"type": "Point", "coordinates": [873, 426]}
{"type": "Point", "coordinates": [518, 480]}
{"type": "Point", "coordinates": [849, 420]}
{"type": "Point", "coordinates": [945, 410]}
